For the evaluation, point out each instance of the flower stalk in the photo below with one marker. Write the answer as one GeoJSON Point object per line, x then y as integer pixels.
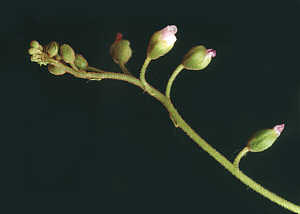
{"type": "Point", "coordinates": [91, 73]}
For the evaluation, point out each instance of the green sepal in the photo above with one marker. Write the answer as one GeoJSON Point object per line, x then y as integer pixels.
{"type": "Point", "coordinates": [57, 71]}
{"type": "Point", "coordinates": [52, 49]}
{"type": "Point", "coordinates": [262, 140]}
{"type": "Point", "coordinates": [67, 53]}
{"type": "Point", "coordinates": [34, 51]}
{"type": "Point", "coordinates": [196, 58]}
{"type": "Point", "coordinates": [157, 47]}
{"type": "Point", "coordinates": [121, 51]}
{"type": "Point", "coordinates": [80, 62]}
{"type": "Point", "coordinates": [36, 44]}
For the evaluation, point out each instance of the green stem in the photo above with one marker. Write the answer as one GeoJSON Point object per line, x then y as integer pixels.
{"type": "Point", "coordinates": [124, 69]}
{"type": "Point", "coordinates": [143, 78]}
{"type": "Point", "coordinates": [239, 156]}
{"type": "Point", "coordinates": [74, 66]}
{"type": "Point", "coordinates": [98, 74]}
{"type": "Point", "coordinates": [94, 69]}
{"type": "Point", "coordinates": [172, 78]}
{"type": "Point", "coordinates": [184, 126]}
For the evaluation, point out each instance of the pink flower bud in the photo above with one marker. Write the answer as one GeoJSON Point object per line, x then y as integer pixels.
{"type": "Point", "coordinates": [168, 34]}
{"type": "Point", "coordinates": [211, 52]}
{"type": "Point", "coordinates": [162, 42]}
{"type": "Point", "coordinates": [119, 36]}
{"type": "Point", "coordinates": [278, 129]}
{"type": "Point", "coordinates": [198, 58]}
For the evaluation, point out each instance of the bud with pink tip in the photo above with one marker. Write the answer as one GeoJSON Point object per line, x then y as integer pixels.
{"type": "Point", "coordinates": [198, 58]}
{"type": "Point", "coordinates": [264, 139]}
{"type": "Point", "coordinates": [162, 42]}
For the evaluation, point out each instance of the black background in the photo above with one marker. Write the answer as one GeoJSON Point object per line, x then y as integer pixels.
{"type": "Point", "coordinates": [76, 146]}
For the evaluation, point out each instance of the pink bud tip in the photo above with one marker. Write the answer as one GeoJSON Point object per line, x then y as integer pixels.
{"type": "Point", "coordinates": [172, 29]}
{"type": "Point", "coordinates": [211, 52]}
{"type": "Point", "coordinates": [278, 129]}
{"type": "Point", "coordinates": [168, 34]}
{"type": "Point", "coordinates": [119, 36]}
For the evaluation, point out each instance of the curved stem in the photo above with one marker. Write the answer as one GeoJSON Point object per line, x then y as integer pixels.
{"type": "Point", "coordinates": [143, 70]}
{"type": "Point", "coordinates": [148, 88]}
{"type": "Point", "coordinates": [172, 78]}
{"type": "Point", "coordinates": [238, 158]}
{"type": "Point", "coordinates": [185, 127]}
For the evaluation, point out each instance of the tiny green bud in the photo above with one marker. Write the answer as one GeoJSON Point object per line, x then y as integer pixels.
{"type": "Point", "coordinates": [198, 58]}
{"type": "Point", "coordinates": [120, 50]}
{"type": "Point", "coordinates": [67, 53]}
{"type": "Point", "coordinates": [52, 49]}
{"type": "Point", "coordinates": [56, 70]}
{"type": "Point", "coordinates": [35, 58]}
{"type": "Point", "coordinates": [162, 42]}
{"type": "Point", "coordinates": [36, 44]}
{"type": "Point", "coordinates": [80, 62]}
{"type": "Point", "coordinates": [34, 51]}
{"type": "Point", "coordinates": [264, 139]}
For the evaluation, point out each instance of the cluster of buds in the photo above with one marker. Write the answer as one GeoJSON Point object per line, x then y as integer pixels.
{"type": "Point", "coordinates": [52, 51]}
{"type": "Point", "coordinates": [163, 41]}
{"type": "Point", "coordinates": [37, 53]}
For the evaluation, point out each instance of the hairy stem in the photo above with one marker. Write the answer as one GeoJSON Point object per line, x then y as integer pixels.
{"type": "Point", "coordinates": [100, 74]}
{"type": "Point", "coordinates": [94, 69]}
{"type": "Point", "coordinates": [238, 158]}
{"type": "Point", "coordinates": [172, 78]}
{"type": "Point", "coordinates": [124, 69]}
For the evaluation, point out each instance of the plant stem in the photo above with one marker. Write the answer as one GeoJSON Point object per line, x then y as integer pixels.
{"type": "Point", "coordinates": [124, 69]}
{"type": "Point", "coordinates": [100, 74]}
{"type": "Point", "coordinates": [172, 78]}
{"type": "Point", "coordinates": [147, 87]}
{"type": "Point", "coordinates": [94, 69]}
{"type": "Point", "coordinates": [238, 158]}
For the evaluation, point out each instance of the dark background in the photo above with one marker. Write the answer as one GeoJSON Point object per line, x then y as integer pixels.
{"type": "Point", "coordinates": [76, 146]}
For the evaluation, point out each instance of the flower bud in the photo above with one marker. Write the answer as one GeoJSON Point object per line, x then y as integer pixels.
{"type": "Point", "coordinates": [162, 42]}
{"type": "Point", "coordinates": [120, 50]}
{"type": "Point", "coordinates": [56, 70]}
{"type": "Point", "coordinates": [35, 44]}
{"type": "Point", "coordinates": [80, 62]}
{"type": "Point", "coordinates": [34, 51]}
{"type": "Point", "coordinates": [198, 58]}
{"type": "Point", "coordinates": [52, 49]}
{"type": "Point", "coordinates": [264, 139]}
{"type": "Point", "coordinates": [67, 53]}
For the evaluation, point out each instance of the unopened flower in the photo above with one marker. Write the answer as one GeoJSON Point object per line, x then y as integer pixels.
{"type": "Point", "coordinates": [35, 44]}
{"type": "Point", "coordinates": [80, 62]}
{"type": "Point", "coordinates": [198, 58]}
{"type": "Point", "coordinates": [264, 139]}
{"type": "Point", "coordinates": [37, 53]}
{"type": "Point", "coordinates": [52, 49]}
{"type": "Point", "coordinates": [162, 42]}
{"type": "Point", "coordinates": [67, 53]}
{"type": "Point", "coordinates": [57, 71]}
{"type": "Point", "coordinates": [120, 50]}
